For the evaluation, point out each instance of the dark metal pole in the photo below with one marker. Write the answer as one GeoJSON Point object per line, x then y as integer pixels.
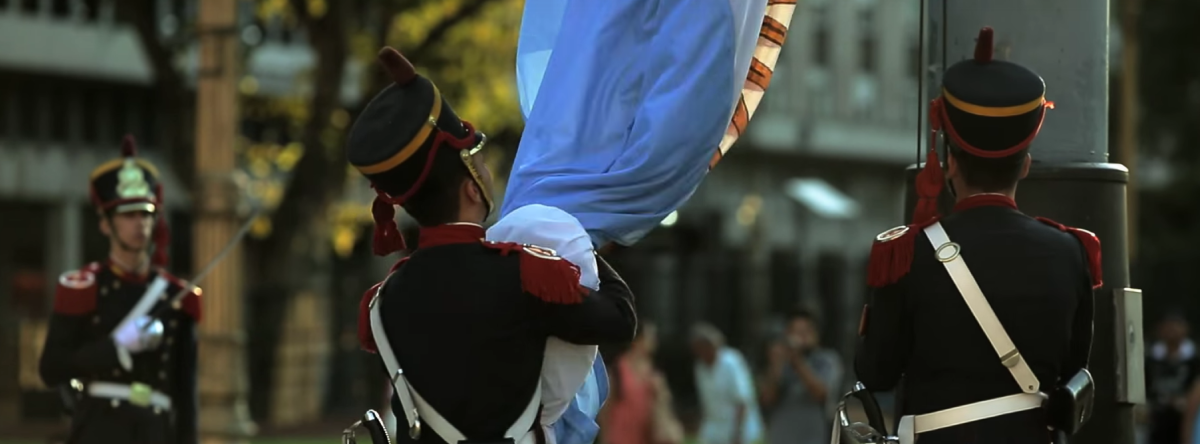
{"type": "Point", "coordinates": [1066, 41]}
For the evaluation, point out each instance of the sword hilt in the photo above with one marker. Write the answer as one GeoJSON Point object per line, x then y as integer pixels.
{"type": "Point", "coordinates": [374, 425]}
{"type": "Point", "coordinates": [870, 407]}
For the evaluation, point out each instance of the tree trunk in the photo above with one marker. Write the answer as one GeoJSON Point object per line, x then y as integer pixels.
{"type": "Point", "coordinates": [297, 259]}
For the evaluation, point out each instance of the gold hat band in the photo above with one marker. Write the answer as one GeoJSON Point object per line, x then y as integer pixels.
{"type": "Point", "coordinates": [414, 144]}
{"type": "Point", "coordinates": [990, 111]}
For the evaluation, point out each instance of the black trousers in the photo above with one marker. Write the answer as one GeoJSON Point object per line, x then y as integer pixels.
{"type": "Point", "coordinates": [98, 421]}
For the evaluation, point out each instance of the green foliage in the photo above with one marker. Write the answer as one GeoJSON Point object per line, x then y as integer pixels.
{"type": "Point", "coordinates": [473, 63]}
{"type": "Point", "coordinates": [466, 46]}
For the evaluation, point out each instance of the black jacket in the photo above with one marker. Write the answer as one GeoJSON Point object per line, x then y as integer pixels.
{"type": "Point", "coordinates": [89, 303]}
{"type": "Point", "coordinates": [1037, 278]}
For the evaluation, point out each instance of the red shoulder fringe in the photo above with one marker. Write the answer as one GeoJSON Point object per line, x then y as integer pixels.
{"type": "Point", "coordinates": [1091, 244]}
{"type": "Point", "coordinates": [543, 274]}
{"type": "Point", "coordinates": [76, 291]}
{"type": "Point", "coordinates": [892, 254]}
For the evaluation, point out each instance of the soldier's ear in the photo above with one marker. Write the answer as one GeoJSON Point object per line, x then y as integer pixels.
{"type": "Point", "coordinates": [951, 166]}
{"type": "Point", "coordinates": [105, 228]}
{"type": "Point", "coordinates": [472, 191]}
{"type": "Point", "coordinates": [1025, 165]}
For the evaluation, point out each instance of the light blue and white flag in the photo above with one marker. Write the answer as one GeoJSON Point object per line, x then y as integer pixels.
{"type": "Point", "coordinates": [628, 104]}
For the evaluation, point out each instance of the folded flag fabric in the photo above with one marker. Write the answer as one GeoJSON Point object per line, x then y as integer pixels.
{"type": "Point", "coordinates": [629, 103]}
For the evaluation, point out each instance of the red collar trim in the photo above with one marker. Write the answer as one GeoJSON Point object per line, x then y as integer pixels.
{"type": "Point", "coordinates": [985, 200]}
{"type": "Point", "coordinates": [126, 276]}
{"type": "Point", "coordinates": [447, 234]}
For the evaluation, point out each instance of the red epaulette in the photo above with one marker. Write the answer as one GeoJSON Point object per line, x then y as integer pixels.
{"type": "Point", "coordinates": [1091, 245]}
{"type": "Point", "coordinates": [544, 274]}
{"type": "Point", "coordinates": [191, 303]}
{"type": "Point", "coordinates": [76, 291]}
{"type": "Point", "coordinates": [365, 339]}
{"type": "Point", "coordinates": [892, 254]}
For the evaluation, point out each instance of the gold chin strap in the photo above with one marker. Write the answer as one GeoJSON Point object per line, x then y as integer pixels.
{"type": "Point", "coordinates": [465, 156]}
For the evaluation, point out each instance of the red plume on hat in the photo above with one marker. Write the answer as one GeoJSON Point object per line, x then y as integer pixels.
{"type": "Point", "coordinates": [399, 68]}
{"type": "Point", "coordinates": [983, 45]}
{"type": "Point", "coordinates": [387, 237]}
{"type": "Point", "coordinates": [931, 177]}
{"type": "Point", "coordinates": [129, 146]}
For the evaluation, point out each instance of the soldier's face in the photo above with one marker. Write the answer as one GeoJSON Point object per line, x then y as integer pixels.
{"type": "Point", "coordinates": [132, 228]}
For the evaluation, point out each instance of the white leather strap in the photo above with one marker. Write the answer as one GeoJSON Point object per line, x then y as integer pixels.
{"type": "Point", "coordinates": [416, 408]}
{"type": "Point", "coordinates": [125, 392]}
{"type": "Point", "coordinates": [913, 425]}
{"type": "Point", "coordinates": [835, 437]}
{"type": "Point", "coordinates": [156, 288]}
{"type": "Point", "coordinates": [949, 253]}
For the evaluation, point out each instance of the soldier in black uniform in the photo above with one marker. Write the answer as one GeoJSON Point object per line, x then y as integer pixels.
{"type": "Point", "coordinates": [132, 376]}
{"type": "Point", "coordinates": [1036, 275]}
{"type": "Point", "coordinates": [466, 319]}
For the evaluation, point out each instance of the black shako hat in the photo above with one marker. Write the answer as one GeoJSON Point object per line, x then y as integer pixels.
{"type": "Point", "coordinates": [398, 138]}
{"type": "Point", "coordinates": [988, 108]}
{"type": "Point", "coordinates": [130, 184]}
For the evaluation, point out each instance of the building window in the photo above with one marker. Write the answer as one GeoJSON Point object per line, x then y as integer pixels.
{"type": "Point", "coordinates": [90, 100]}
{"type": "Point", "coordinates": [59, 115]}
{"type": "Point", "coordinates": [27, 116]}
{"type": "Point", "coordinates": [822, 36]}
{"type": "Point", "coordinates": [866, 52]}
{"type": "Point", "coordinates": [91, 10]}
{"type": "Point", "coordinates": [868, 42]}
{"type": "Point", "coordinates": [61, 8]}
{"type": "Point", "coordinates": [7, 109]}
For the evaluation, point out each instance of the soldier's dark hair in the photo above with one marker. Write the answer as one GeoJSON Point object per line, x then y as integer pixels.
{"type": "Point", "coordinates": [989, 175]}
{"type": "Point", "coordinates": [437, 201]}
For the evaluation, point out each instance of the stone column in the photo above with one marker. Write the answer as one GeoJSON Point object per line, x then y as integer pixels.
{"type": "Point", "coordinates": [224, 410]}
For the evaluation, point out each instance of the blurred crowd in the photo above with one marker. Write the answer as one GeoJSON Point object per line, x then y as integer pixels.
{"type": "Point", "coordinates": [1172, 408]}
{"type": "Point", "coordinates": [789, 400]}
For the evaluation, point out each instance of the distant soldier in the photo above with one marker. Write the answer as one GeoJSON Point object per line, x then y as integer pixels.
{"type": "Point", "coordinates": [979, 348]}
{"type": "Point", "coordinates": [461, 324]}
{"type": "Point", "coordinates": [127, 353]}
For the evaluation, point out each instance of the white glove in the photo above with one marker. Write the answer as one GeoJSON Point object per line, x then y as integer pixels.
{"type": "Point", "coordinates": [136, 338]}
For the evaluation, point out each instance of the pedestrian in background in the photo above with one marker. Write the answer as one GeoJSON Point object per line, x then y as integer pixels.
{"type": "Point", "coordinates": [639, 409]}
{"type": "Point", "coordinates": [726, 389]}
{"type": "Point", "coordinates": [799, 383]}
{"type": "Point", "coordinates": [1171, 368]}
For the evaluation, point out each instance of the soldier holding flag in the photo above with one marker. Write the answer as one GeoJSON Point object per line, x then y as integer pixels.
{"type": "Point", "coordinates": [132, 376]}
{"type": "Point", "coordinates": [461, 323]}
